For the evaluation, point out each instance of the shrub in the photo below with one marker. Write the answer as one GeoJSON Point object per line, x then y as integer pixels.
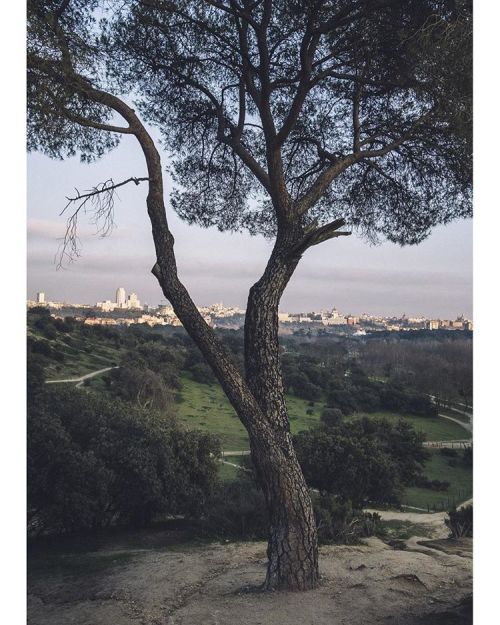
{"type": "Point", "coordinates": [343, 400]}
{"type": "Point", "coordinates": [94, 462]}
{"type": "Point", "coordinates": [363, 460]}
{"type": "Point", "coordinates": [237, 510]}
{"type": "Point", "coordinates": [459, 522]}
{"type": "Point", "coordinates": [202, 373]}
{"type": "Point", "coordinates": [338, 523]}
{"type": "Point", "coordinates": [331, 417]}
{"type": "Point", "coordinates": [437, 485]}
{"type": "Point", "coordinates": [467, 457]}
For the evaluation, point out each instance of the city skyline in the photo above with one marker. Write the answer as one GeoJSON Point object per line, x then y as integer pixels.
{"type": "Point", "coordinates": [433, 279]}
{"type": "Point", "coordinates": [131, 301]}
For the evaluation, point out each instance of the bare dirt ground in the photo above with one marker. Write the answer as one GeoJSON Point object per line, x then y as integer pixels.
{"type": "Point", "coordinates": [423, 582]}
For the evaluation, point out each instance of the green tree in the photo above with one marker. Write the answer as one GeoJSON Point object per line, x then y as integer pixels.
{"type": "Point", "coordinates": [363, 460]}
{"type": "Point", "coordinates": [331, 416]}
{"type": "Point", "coordinates": [290, 119]}
{"type": "Point", "coordinates": [93, 462]}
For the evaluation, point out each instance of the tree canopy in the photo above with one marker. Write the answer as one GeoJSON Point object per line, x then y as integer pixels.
{"type": "Point", "coordinates": [353, 110]}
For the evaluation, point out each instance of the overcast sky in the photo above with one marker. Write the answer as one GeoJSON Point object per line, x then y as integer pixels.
{"type": "Point", "coordinates": [432, 279]}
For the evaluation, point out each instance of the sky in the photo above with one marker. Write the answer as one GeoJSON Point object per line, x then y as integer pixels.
{"type": "Point", "coordinates": [432, 279]}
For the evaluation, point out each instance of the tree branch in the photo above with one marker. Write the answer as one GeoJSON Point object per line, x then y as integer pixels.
{"type": "Point", "coordinates": [101, 200]}
{"type": "Point", "coordinates": [317, 235]}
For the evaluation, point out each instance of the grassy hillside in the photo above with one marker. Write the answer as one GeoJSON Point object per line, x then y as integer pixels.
{"type": "Point", "coordinates": [75, 355]}
{"type": "Point", "coordinates": [439, 468]}
{"type": "Point", "coordinates": [204, 406]}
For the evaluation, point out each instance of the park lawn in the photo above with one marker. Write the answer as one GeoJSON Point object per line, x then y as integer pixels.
{"type": "Point", "coordinates": [435, 428]}
{"type": "Point", "coordinates": [456, 415]}
{"type": "Point", "coordinates": [205, 407]}
{"type": "Point", "coordinates": [439, 468]}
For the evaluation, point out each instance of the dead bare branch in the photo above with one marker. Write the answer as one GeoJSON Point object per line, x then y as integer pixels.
{"type": "Point", "coordinates": [100, 202]}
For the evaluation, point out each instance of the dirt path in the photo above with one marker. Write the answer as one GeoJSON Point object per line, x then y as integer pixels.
{"type": "Point", "coordinates": [79, 381]}
{"type": "Point", "coordinates": [216, 585]}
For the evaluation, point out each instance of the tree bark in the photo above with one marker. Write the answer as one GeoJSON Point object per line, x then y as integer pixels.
{"type": "Point", "coordinates": [292, 541]}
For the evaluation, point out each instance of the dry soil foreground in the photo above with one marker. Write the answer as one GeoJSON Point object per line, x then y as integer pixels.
{"type": "Point", "coordinates": [426, 582]}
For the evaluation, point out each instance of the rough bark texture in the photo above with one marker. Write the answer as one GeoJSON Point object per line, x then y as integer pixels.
{"type": "Point", "coordinates": [292, 547]}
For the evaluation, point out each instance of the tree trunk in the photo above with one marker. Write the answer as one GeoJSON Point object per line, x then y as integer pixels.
{"type": "Point", "coordinates": [258, 398]}
{"type": "Point", "coordinates": [292, 543]}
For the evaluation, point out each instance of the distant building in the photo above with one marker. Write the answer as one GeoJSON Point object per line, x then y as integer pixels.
{"type": "Point", "coordinates": [121, 297]}
{"type": "Point", "coordinates": [433, 324]}
{"type": "Point", "coordinates": [133, 301]}
{"type": "Point", "coordinates": [40, 298]}
{"type": "Point", "coordinates": [106, 306]}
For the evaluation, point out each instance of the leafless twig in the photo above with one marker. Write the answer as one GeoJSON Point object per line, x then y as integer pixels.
{"type": "Point", "coordinates": [100, 201]}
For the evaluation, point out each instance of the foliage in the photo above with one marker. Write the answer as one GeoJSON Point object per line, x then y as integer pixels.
{"type": "Point", "coordinates": [409, 81]}
{"type": "Point", "coordinates": [35, 376]}
{"type": "Point", "coordinates": [467, 457]}
{"type": "Point", "coordinates": [459, 522]}
{"type": "Point", "coordinates": [94, 462]}
{"type": "Point", "coordinates": [141, 386]}
{"type": "Point", "coordinates": [358, 393]}
{"type": "Point", "coordinates": [202, 373]}
{"type": "Point", "coordinates": [338, 523]}
{"type": "Point", "coordinates": [331, 416]}
{"type": "Point", "coordinates": [437, 485]}
{"type": "Point", "coordinates": [364, 460]}
{"type": "Point", "coordinates": [237, 510]}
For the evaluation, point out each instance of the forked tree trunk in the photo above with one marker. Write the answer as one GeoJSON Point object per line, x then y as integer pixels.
{"type": "Point", "coordinates": [258, 397]}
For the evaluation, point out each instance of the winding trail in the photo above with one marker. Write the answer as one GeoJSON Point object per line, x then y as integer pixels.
{"type": "Point", "coordinates": [79, 381]}
{"type": "Point", "coordinates": [466, 426]}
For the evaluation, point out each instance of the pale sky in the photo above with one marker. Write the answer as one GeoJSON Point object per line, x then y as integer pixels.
{"type": "Point", "coordinates": [432, 279]}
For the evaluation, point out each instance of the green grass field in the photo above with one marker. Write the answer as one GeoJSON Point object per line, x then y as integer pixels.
{"type": "Point", "coordinates": [438, 468]}
{"type": "Point", "coordinates": [456, 415]}
{"type": "Point", "coordinates": [435, 428]}
{"type": "Point", "coordinates": [205, 407]}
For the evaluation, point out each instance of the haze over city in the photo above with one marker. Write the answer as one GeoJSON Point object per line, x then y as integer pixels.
{"type": "Point", "coordinates": [433, 279]}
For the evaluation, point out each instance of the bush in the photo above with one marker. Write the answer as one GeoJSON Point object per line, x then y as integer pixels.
{"type": "Point", "coordinates": [459, 522]}
{"type": "Point", "coordinates": [437, 485]}
{"type": "Point", "coordinates": [338, 523]}
{"type": "Point", "coordinates": [331, 417]}
{"type": "Point", "coordinates": [449, 452]}
{"type": "Point", "coordinates": [237, 510]}
{"type": "Point", "coordinates": [363, 460]}
{"type": "Point", "coordinates": [202, 373]}
{"type": "Point", "coordinates": [94, 462]}
{"type": "Point", "coordinates": [136, 383]}
{"type": "Point", "coordinates": [343, 400]}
